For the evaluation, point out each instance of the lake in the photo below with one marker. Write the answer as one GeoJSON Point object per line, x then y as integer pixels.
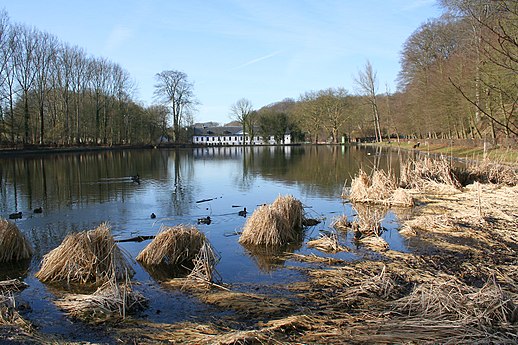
{"type": "Point", "coordinates": [78, 191]}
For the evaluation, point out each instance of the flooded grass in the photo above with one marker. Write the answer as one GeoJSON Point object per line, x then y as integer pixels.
{"type": "Point", "coordinates": [442, 271]}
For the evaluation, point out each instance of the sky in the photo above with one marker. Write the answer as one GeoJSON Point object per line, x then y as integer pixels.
{"type": "Point", "coordinates": [261, 50]}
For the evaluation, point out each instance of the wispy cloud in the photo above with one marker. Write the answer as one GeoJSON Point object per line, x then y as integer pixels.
{"type": "Point", "coordinates": [254, 61]}
{"type": "Point", "coordinates": [118, 36]}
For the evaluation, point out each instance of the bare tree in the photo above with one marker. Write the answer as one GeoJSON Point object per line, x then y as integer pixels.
{"type": "Point", "coordinates": [44, 55]}
{"type": "Point", "coordinates": [26, 69]}
{"type": "Point", "coordinates": [367, 84]}
{"type": "Point", "coordinates": [333, 105]}
{"type": "Point", "coordinates": [309, 116]}
{"type": "Point", "coordinates": [4, 68]}
{"type": "Point", "coordinates": [174, 89]}
{"type": "Point", "coordinates": [79, 84]}
{"type": "Point", "coordinates": [241, 111]}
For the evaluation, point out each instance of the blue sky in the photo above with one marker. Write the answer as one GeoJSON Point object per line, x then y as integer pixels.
{"type": "Point", "coordinates": [264, 51]}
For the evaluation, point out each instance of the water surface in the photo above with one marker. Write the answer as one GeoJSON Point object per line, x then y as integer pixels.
{"type": "Point", "coordinates": [78, 191]}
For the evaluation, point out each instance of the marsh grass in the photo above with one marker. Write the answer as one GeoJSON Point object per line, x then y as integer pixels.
{"type": "Point", "coordinates": [85, 257]}
{"type": "Point", "coordinates": [379, 189]}
{"type": "Point", "coordinates": [427, 172]}
{"type": "Point", "coordinates": [327, 243]}
{"type": "Point", "coordinates": [181, 252]}
{"type": "Point", "coordinates": [12, 285]}
{"type": "Point", "coordinates": [341, 223]}
{"type": "Point", "coordinates": [174, 246]}
{"type": "Point", "coordinates": [452, 300]}
{"type": "Point", "coordinates": [368, 219]}
{"type": "Point", "coordinates": [13, 244]}
{"type": "Point", "coordinates": [275, 225]}
{"type": "Point", "coordinates": [110, 302]}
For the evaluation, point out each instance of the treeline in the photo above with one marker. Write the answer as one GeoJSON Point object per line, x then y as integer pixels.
{"type": "Point", "coordinates": [458, 80]}
{"type": "Point", "coordinates": [52, 93]}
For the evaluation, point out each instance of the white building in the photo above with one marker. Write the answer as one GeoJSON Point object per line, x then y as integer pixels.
{"type": "Point", "coordinates": [232, 135]}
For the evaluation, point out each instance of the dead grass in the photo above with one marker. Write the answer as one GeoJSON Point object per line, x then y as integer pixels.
{"type": "Point", "coordinates": [375, 243]}
{"type": "Point", "coordinates": [380, 189]}
{"type": "Point", "coordinates": [428, 173]}
{"type": "Point", "coordinates": [341, 223]}
{"type": "Point", "coordinates": [368, 219]}
{"type": "Point", "coordinates": [204, 264]}
{"type": "Point", "coordinates": [12, 285]}
{"type": "Point", "coordinates": [111, 302]}
{"type": "Point", "coordinates": [86, 257]}
{"type": "Point", "coordinates": [274, 225]}
{"type": "Point", "coordinates": [327, 243]}
{"type": "Point", "coordinates": [9, 316]}
{"type": "Point", "coordinates": [181, 251]}
{"type": "Point", "coordinates": [452, 300]}
{"type": "Point", "coordinates": [491, 172]}
{"type": "Point", "coordinates": [275, 331]}
{"type": "Point", "coordinates": [247, 303]}
{"type": "Point", "coordinates": [13, 244]}
{"type": "Point", "coordinates": [173, 246]}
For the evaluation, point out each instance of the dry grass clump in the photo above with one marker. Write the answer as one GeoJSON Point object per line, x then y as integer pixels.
{"type": "Point", "coordinates": [368, 219]}
{"type": "Point", "coordinates": [9, 316]}
{"type": "Point", "coordinates": [401, 197]}
{"type": "Point", "coordinates": [173, 246]}
{"type": "Point", "coordinates": [204, 264]}
{"type": "Point", "coordinates": [425, 172]}
{"type": "Point", "coordinates": [290, 210]}
{"type": "Point", "coordinates": [276, 331]}
{"type": "Point", "coordinates": [111, 301]}
{"type": "Point", "coordinates": [365, 282]}
{"type": "Point", "coordinates": [490, 172]}
{"type": "Point", "coordinates": [327, 243]}
{"type": "Point", "coordinates": [381, 188]}
{"type": "Point", "coordinates": [85, 257]}
{"type": "Point", "coordinates": [13, 244]}
{"type": "Point", "coordinates": [277, 224]}
{"type": "Point", "coordinates": [375, 243]}
{"type": "Point", "coordinates": [341, 223]}
{"type": "Point", "coordinates": [452, 300]}
{"type": "Point", "coordinates": [247, 303]}
{"type": "Point", "coordinates": [12, 285]}
{"type": "Point", "coordinates": [378, 285]}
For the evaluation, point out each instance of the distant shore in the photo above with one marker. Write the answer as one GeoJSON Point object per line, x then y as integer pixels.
{"type": "Point", "coordinates": [37, 149]}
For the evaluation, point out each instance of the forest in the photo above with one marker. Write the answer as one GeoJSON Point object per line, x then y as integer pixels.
{"type": "Point", "coordinates": [458, 80]}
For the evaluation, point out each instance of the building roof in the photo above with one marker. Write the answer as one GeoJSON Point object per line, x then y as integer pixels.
{"type": "Point", "coordinates": [221, 131]}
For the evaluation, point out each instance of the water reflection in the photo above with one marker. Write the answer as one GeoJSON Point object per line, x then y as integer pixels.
{"type": "Point", "coordinates": [270, 258]}
{"type": "Point", "coordinates": [79, 191]}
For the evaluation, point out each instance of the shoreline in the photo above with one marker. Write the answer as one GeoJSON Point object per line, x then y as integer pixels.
{"type": "Point", "coordinates": [37, 150]}
{"type": "Point", "coordinates": [462, 152]}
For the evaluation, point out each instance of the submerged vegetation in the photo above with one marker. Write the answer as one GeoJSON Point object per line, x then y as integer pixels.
{"type": "Point", "coordinates": [457, 284]}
